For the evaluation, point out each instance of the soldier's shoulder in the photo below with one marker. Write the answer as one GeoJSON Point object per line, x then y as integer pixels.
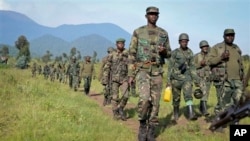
{"type": "Point", "coordinates": [162, 30]}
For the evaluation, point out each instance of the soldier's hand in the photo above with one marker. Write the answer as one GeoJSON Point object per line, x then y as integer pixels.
{"type": "Point", "coordinates": [225, 55]}
{"type": "Point", "coordinates": [161, 49]}
{"type": "Point", "coordinates": [168, 85]}
{"type": "Point", "coordinates": [203, 63]}
{"type": "Point", "coordinates": [130, 80]}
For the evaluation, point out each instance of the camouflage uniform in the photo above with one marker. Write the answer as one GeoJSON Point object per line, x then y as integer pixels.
{"type": "Point", "coordinates": [204, 72]}
{"type": "Point", "coordinates": [52, 72]}
{"type": "Point", "coordinates": [73, 72]}
{"type": "Point", "coordinates": [107, 87]}
{"type": "Point", "coordinates": [148, 48]}
{"type": "Point", "coordinates": [87, 71]}
{"type": "Point", "coordinates": [181, 73]}
{"type": "Point", "coordinates": [46, 71]}
{"type": "Point", "coordinates": [117, 67]}
{"type": "Point", "coordinates": [33, 70]}
{"type": "Point", "coordinates": [227, 68]}
{"type": "Point", "coordinates": [39, 69]}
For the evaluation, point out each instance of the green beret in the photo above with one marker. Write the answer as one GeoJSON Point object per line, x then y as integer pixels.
{"type": "Point", "coordinates": [152, 9]}
{"type": "Point", "coordinates": [229, 31]}
{"type": "Point", "coordinates": [120, 40]}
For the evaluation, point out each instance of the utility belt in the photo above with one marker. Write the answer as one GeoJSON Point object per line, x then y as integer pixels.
{"type": "Point", "coordinates": [153, 68]}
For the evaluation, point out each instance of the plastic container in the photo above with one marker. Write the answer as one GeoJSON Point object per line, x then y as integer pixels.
{"type": "Point", "coordinates": [167, 94]}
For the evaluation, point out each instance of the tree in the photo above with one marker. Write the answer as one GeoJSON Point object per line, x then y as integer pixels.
{"type": "Point", "coordinates": [23, 57]}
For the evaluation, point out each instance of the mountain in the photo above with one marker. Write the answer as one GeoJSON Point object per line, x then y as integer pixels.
{"type": "Point", "coordinates": [85, 37]}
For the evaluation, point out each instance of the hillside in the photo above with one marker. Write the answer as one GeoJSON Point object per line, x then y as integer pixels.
{"type": "Point", "coordinates": [59, 39]}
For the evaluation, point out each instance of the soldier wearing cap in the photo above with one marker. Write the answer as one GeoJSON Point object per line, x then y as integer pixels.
{"type": "Point", "coordinates": [227, 69]}
{"type": "Point", "coordinates": [117, 67]}
{"type": "Point", "coordinates": [107, 87]}
{"type": "Point", "coordinates": [87, 72]}
{"type": "Point", "coordinates": [149, 47]}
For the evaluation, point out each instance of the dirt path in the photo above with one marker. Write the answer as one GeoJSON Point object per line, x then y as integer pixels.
{"type": "Point", "coordinates": [134, 124]}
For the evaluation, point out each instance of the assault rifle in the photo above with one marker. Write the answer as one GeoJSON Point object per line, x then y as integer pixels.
{"type": "Point", "coordinates": [236, 112]}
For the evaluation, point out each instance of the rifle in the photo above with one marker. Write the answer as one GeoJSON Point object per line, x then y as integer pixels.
{"type": "Point", "coordinates": [234, 113]}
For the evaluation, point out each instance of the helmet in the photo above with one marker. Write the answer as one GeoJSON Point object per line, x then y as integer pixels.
{"type": "Point", "coordinates": [110, 49]}
{"type": "Point", "coordinates": [198, 93]}
{"type": "Point", "coordinates": [203, 43]}
{"type": "Point", "coordinates": [183, 36]}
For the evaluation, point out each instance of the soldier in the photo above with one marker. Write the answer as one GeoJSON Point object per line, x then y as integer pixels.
{"type": "Point", "coordinates": [227, 68]}
{"type": "Point", "coordinates": [39, 69]}
{"type": "Point", "coordinates": [87, 72]}
{"type": "Point", "coordinates": [46, 71]}
{"type": "Point", "coordinates": [203, 71]}
{"type": "Point", "coordinates": [73, 72]}
{"type": "Point", "coordinates": [181, 73]}
{"type": "Point", "coordinates": [33, 69]}
{"type": "Point", "coordinates": [117, 67]}
{"type": "Point", "coordinates": [107, 88]}
{"type": "Point", "coordinates": [149, 44]}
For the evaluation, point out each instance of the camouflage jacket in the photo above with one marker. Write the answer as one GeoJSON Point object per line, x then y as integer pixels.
{"type": "Point", "coordinates": [104, 60]}
{"type": "Point", "coordinates": [203, 72]}
{"type": "Point", "coordinates": [226, 69]}
{"type": "Point", "coordinates": [144, 48]}
{"type": "Point", "coordinates": [116, 66]}
{"type": "Point", "coordinates": [74, 69]}
{"type": "Point", "coordinates": [181, 66]}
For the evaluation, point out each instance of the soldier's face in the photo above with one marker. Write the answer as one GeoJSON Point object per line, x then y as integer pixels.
{"type": "Point", "coordinates": [183, 43]}
{"type": "Point", "coordinates": [229, 38]}
{"type": "Point", "coordinates": [120, 45]}
{"type": "Point", "coordinates": [152, 17]}
{"type": "Point", "coordinates": [204, 49]}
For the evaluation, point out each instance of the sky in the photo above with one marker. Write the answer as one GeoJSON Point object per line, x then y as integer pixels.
{"type": "Point", "coordinates": [200, 19]}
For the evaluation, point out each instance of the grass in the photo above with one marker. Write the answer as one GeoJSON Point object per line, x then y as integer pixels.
{"type": "Point", "coordinates": [35, 109]}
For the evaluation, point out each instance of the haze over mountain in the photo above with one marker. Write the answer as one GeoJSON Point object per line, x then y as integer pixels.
{"type": "Point", "coordinates": [86, 38]}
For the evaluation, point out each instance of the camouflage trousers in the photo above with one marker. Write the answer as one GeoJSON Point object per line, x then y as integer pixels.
{"type": "Point", "coordinates": [233, 93]}
{"type": "Point", "coordinates": [149, 89]}
{"type": "Point", "coordinates": [107, 91]}
{"type": "Point", "coordinates": [219, 87]}
{"type": "Point", "coordinates": [132, 89]}
{"type": "Point", "coordinates": [185, 86]}
{"type": "Point", "coordinates": [116, 102]}
{"type": "Point", "coordinates": [207, 90]}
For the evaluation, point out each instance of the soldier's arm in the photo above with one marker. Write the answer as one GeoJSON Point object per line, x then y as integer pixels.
{"type": "Point", "coordinates": [132, 55]}
{"type": "Point", "coordinates": [166, 52]}
{"type": "Point", "coordinates": [213, 57]}
{"type": "Point", "coordinates": [170, 67]}
{"type": "Point", "coordinates": [193, 72]}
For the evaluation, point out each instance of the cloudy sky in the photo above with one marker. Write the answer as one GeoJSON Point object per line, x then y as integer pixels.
{"type": "Point", "coordinates": [201, 19]}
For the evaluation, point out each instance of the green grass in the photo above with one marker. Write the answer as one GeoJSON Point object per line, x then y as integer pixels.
{"type": "Point", "coordinates": [35, 109]}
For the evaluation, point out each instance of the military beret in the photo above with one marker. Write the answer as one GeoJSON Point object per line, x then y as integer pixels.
{"type": "Point", "coordinates": [152, 9]}
{"type": "Point", "coordinates": [229, 31]}
{"type": "Point", "coordinates": [120, 40]}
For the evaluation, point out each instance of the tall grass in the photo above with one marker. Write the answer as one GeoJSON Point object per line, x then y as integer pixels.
{"type": "Point", "coordinates": [35, 109]}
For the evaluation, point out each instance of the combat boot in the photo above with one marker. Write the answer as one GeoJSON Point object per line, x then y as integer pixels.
{"type": "Point", "coordinates": [151, 133]}
{"type": "Point", "coordinates": [122, 114]}
{"type": "Point", "coordinates": [176, 113]}
{"type": "Point", "coordinates": [191, 115]}
{"type": "Point", "coordinates": [104, 101]}
{"type": "Point", "coordinates": [142, 135]}
{"type": "Point", "coordinates": [203, 108]}
{"type": "Point", "coordinates": [116, 115]}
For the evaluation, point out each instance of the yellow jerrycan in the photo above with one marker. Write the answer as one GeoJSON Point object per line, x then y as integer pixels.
{"type": "Point", "coordinates": [167, 94]}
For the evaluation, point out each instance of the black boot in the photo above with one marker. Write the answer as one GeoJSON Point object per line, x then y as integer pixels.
{"type": "Point", "coordinates": [203, 108]}
{"type": "Point", "coordinates": [122, 114]}
{"type": "Point", "coordinates": [151, 133]}
{"type": "Point", "coordinates": [176, 113]}
{"type": "Point", "coordinates": [142, 135]}
{"type": "Point", "coordinates": [109, 101]}
{"type": "Point", "coordinates": [105, 100]}
{"type": "Point", "coordinates": [191, 115]}
{"type": "Point", "coordinates": [116, 114]}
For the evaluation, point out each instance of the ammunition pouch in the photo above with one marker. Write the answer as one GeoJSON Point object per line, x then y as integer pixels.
{"type": "Point", "coordinates": [183, 68]}
{"type": "Point", "coordinates": [218, 74]}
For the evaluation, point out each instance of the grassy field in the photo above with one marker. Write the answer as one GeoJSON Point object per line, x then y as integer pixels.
{"type": "Point", "coordinates": [35, 109]}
